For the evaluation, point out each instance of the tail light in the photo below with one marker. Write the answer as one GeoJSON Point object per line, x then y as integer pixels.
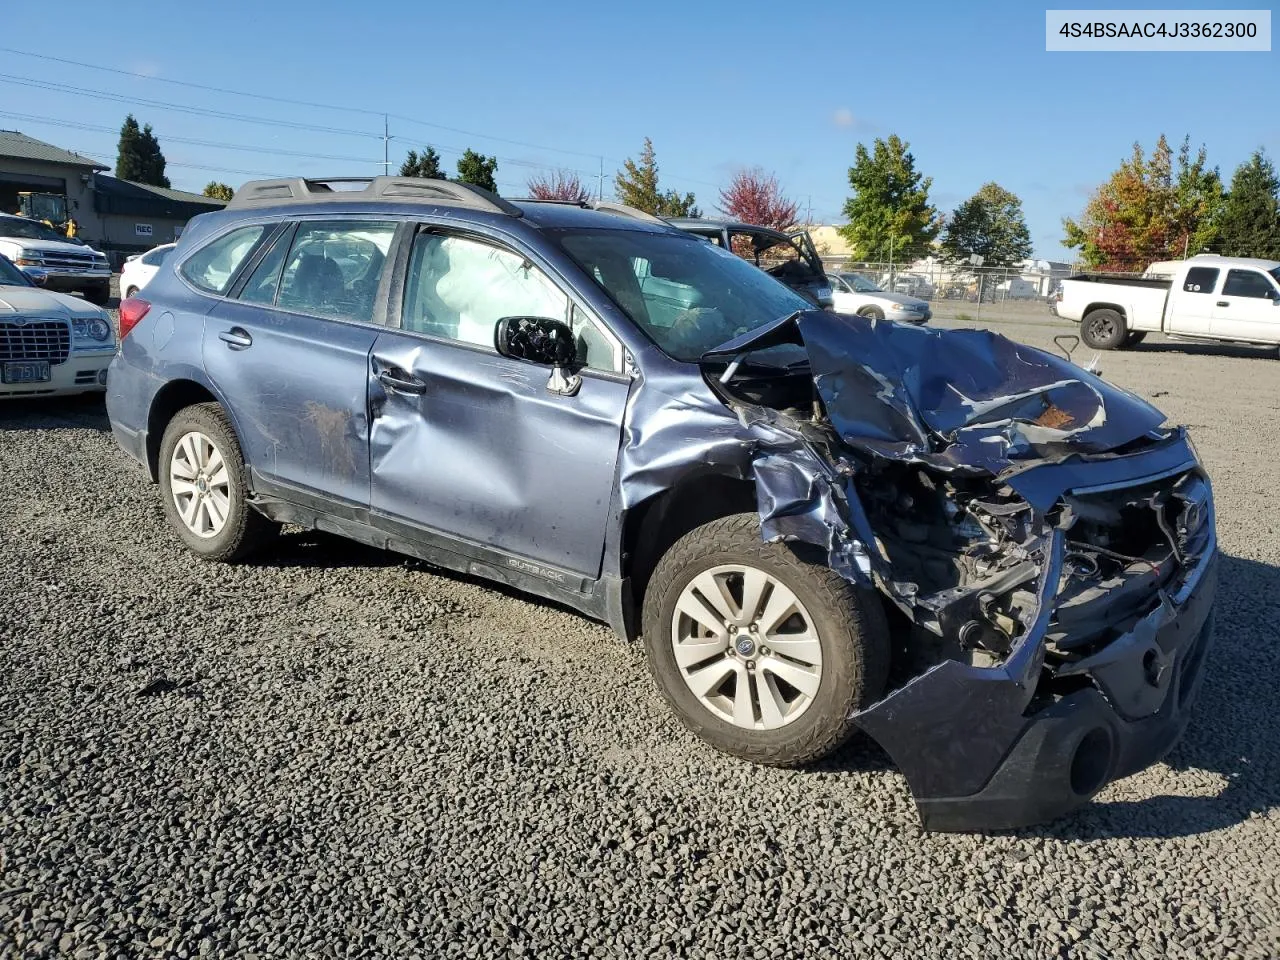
{"type": "Point", "coordinates": [131, 311]}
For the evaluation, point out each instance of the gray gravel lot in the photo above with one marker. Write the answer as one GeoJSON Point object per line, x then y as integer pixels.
{"type": "Point", "coordinates": [339, 752]}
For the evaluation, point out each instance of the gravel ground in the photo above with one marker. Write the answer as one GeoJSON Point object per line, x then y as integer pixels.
{"type": "Point", "coordinates": [338, 752]}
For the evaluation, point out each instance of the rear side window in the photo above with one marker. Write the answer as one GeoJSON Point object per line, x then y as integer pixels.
{"type": "Point", "coordinates": [1200, 280]}
{"type": "Point", "coordinates": [265, 279]}
{"type": "Point", "coordinates": [333, 268]}
{"type": "Point", "coordinates": [154, 258]}
{"type": "Point", "coordinates": [212, 267]}
{"type": "Point", "coordinates": [1247, 283]}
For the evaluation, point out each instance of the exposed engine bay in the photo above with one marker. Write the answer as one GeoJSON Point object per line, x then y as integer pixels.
{"type": "Point", "coordinates": [1036, 530]}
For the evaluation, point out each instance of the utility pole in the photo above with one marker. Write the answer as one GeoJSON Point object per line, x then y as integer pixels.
{"type": "Point", "coordinates": [386, 147]}
{"type": "Point", "coordinates": [808, 214]}
{"type": "Point", "coordinates": [600, 191]}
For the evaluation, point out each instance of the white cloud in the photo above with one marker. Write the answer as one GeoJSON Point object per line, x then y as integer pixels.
{"type": "Point", "coordinates": [843, 117]}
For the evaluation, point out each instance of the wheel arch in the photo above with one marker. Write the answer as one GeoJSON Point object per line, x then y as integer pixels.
{"type": "Point", "coordinates": [652, 526]}
{"type": "Point", "coordinates": [1099, 305]}
{"type": "Point", "coordinates": [174, 396]}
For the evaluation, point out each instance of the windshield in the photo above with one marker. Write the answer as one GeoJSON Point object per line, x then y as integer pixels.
{"type": "Point", "coordinates": [687, 295]}
{"type": "Point", "coordinates": [26, 229]}
{"type": "Point", "coordinates": [10, 275]}
{"type": "Point", "coordinates": [860, 284]}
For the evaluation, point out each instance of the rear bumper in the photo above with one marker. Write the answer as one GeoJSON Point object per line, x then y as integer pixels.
{"type": "Point", "coordinates": [978, 758]}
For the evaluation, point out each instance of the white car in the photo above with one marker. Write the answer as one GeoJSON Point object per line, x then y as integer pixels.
{"type": "Point", "coordinates": [140, 268]}
{"type": "Point", "coordinates": [50, 343]}
{"type": "Point", "coordinates": [853, 293]}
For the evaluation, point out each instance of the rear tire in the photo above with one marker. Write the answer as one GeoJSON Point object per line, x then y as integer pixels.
{"type": "Point", "coordinates": [1133, 339]}
{"type": "Point", "coordinates": [131, 292]}
{"type": "Point", "coordinates": [204, 486]}
{"type": "Point", "coordinates": [1104, 329]}
{"type": "Point", "coordinates": [829, 637]}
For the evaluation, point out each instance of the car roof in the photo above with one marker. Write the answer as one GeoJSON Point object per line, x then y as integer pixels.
{"type": "Point", "coordinates": [1213, 258]}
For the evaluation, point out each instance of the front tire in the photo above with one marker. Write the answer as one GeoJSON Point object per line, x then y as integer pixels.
{"type": "Point", "coordinates": [204, 488]}
{"type": "Point", "coordinates": [871, 313]}
{"type": "Point", "coordinates": [760, 648]}
{"type": "Point", "coordinates": [1104, 329]}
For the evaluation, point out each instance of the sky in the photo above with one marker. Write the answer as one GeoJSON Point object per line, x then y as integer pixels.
{"type": "Point", "coordinates": [718, 86]}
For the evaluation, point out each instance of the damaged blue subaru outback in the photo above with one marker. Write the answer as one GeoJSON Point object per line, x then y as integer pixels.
{"type": "Point", "coordinates": [995, 564]}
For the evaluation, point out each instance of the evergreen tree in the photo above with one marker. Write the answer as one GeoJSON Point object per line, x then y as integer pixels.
{"type": "Point", "coordinates": [1250, 222]}
{"type": "Point", "coordinates": [478, 170]}
{"type": "Point", "coordinates": [426, 164]}
{"type": "Point", "coordinates": [889, 212]}
{"type": "Point", "coordinates": [138, 156]}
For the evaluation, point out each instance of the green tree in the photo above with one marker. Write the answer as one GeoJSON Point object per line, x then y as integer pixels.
{"type": "Point", "coordinates": [1250, 221]}
{"type": "Point", "coordinates": [636, 185]}
{"type": "Point", "coordinates": [990, 224]}
{"type": "Point", "coordinates": [218, 191]}
{"type": "Point", "coordinates": [478, 170]}
{"type": "Point", "coordinates": [138, 156]}
{"type": "Point", "coordinates": [426, 164]}
{"type": "Point", "coordinates": [1149, 209]}
{"type": "Point", "coordinates": [889, 210]}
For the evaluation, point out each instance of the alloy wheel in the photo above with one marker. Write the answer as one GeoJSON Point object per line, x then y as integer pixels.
{"type": "Point", "coordinates": [200, 484]}
{"type": "Point", "coordinates": [746, 647]}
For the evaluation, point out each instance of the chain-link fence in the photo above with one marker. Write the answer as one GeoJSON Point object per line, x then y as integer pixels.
{"type": "Point", "coordinates": [939, 280]}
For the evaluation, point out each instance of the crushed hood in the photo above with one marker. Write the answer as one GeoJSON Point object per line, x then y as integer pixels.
{"type": "Point", "coordinates": [966, 400]}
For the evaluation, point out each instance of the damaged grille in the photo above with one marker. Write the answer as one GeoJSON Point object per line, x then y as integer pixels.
{"type": "Point", "coordinates": [1124, 546]}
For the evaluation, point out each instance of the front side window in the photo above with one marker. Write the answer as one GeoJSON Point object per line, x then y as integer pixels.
{"type": "Point", "coordinates": [1200, 280]}
{"type": "Point", "coordinates": [212, 267]}
{"type": "Point", "coordinates": [1248, 283]}
{"type": "Point", "coordinates": [688, 296]}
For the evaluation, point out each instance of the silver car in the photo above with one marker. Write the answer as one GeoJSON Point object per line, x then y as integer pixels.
{"type": "Point", "coordinates": [853, 293]}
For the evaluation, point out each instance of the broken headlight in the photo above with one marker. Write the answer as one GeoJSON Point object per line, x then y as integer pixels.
{"type": "Point", "coordinates": [1193, 496]}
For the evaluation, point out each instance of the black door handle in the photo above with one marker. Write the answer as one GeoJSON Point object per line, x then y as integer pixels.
{"type": "Point", "coordinates": [411, 385]}
{"type": "Point", "coordinates": [236, 338]}
{"type": "Point", "coordinates": [1224, 303]}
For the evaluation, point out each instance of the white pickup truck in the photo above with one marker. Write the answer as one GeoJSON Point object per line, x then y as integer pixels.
{"type": "Point", "coordinates": [1203, 298]}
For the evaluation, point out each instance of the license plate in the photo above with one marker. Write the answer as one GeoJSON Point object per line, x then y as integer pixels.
{"type": "Point", "coordinates": [27, 372]}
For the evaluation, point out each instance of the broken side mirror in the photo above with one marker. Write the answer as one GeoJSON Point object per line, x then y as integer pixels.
{"type": "Point", "coordinates": [544, 341]}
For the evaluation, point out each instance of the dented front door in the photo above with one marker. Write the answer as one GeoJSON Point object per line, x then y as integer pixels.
{"type": "Point", "coordinates": [466, 443]}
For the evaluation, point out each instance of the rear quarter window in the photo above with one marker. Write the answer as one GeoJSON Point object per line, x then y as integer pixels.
{"type": "Point", "coordinates": [1200, 280]}
{"type": "Point", "coordinates": [214, 266]}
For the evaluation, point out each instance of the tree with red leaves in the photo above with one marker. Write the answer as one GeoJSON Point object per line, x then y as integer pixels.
{"type": "Point", "coordinates": [755, 197]}
{"type": "Point", "coordinates": [558, 185]}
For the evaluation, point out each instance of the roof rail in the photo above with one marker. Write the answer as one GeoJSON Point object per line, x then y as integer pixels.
{"type": "Point", "coordinates": [623, 210]}
{"type": "Point", "coordinates": [270, 193]}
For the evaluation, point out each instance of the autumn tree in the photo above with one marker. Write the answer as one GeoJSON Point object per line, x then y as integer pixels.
{"type": "Point", "coordinates": [1150, 208]}
{"type": "Point", "coordinates": [138, 155]}
{"type": "Point", "coordinates": [889, 211]}
{"type": "Point", "coordinates": [1250, 222]}
{"type": "Point", "coordinates": [636, 185]}
{"type": "Point", "coordinates": [478, 170]}
{"type": "Point", "coordinates": [754, 196]}
{"type": "Point", "coordinates": [218, 191]}
{"type": "Point", "coordinates": [558, 185]}
{"type": "Point", "coordinates": [990, 224]}
{"type": "Point", "coordinates": [425, 164]}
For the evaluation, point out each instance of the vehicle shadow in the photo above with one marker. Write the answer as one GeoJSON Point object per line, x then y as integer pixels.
{"type": "Point", "coordinates": [317, 549]}
{"type": "Point", "coordinates": [80, 412]}
{"type": "Point", "coordinates": [1234, 733]}
{"type": "Point", "coordinates": [1192, 349]}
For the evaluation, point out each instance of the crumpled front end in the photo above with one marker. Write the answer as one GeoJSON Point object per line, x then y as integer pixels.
{"type": "Point", "coordinates": [1047, 550]}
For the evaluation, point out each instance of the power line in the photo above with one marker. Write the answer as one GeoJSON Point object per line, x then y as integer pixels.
{"type": "Point", "coordinates": [292, 102]}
